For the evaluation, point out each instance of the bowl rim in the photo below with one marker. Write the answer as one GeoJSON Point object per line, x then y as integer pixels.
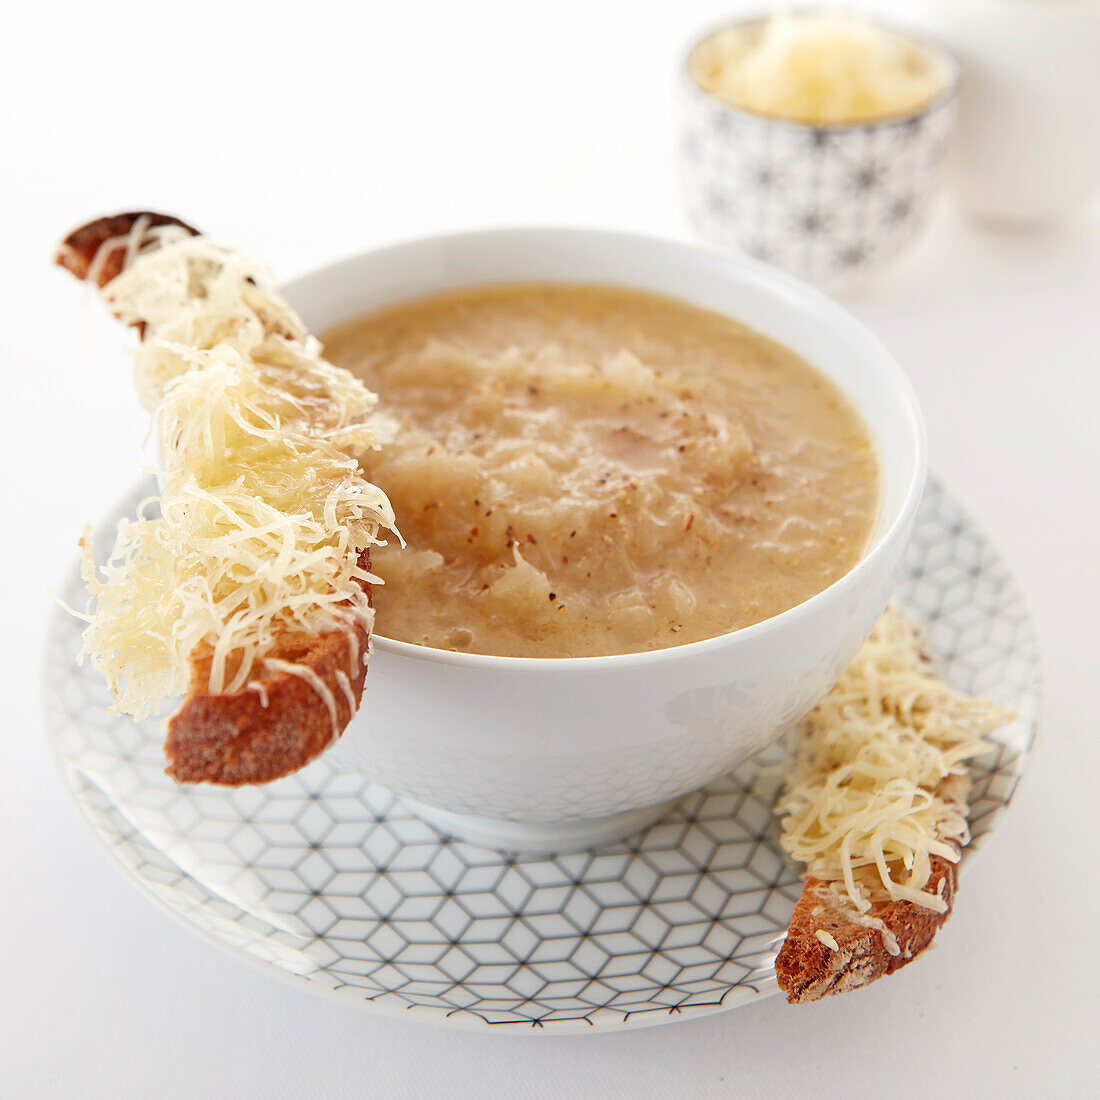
{"type": "Point", "coordinates": [916, 36]}
{"type": "Point", "coordinates": [773, 280]}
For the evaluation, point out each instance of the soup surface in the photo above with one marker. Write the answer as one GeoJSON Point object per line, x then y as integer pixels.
{"type": "Point", "coordinates": [584, 470]}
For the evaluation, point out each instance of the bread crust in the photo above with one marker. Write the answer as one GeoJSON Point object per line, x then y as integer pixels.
{"type": "Point", "coordinates": [808, 969]}
{"type": "Point", "coordinates": [78, 250]}
{"type": "Point", "coordinates": [265, 732]}
{"type": "Point", "coordinates": [280, 722]}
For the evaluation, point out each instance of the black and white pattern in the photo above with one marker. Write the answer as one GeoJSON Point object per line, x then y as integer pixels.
{"type": "Point", "coordinates": [829, 204]}
{"type": "Point", "coordinates": [329, 878]}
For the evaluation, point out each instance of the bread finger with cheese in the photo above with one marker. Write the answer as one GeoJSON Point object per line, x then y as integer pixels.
{"type": "Point", "coordinates": [875, 805]}
{"type": "Point", "coordinates": [250, 592]}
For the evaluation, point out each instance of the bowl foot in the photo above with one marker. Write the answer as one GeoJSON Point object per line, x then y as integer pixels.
{"type": "Point", "coordinates": [539, 837]}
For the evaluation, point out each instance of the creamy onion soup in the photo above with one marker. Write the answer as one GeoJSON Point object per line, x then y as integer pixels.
{"type": "Point", "coordinates": [586, 470]}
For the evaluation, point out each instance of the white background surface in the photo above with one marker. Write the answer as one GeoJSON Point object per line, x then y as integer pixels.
{"type": "Point", "coordinates": [310, 135]}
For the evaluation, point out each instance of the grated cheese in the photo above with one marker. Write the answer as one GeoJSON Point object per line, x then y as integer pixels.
{"type": "Point", "coordinates": [349, 695]}
{"type": "Point", "coordinates": [889, 940]}
{"type": "Point", "coordinates": [260, 689]}
{"type": "Point", "coordinates": [828, 940]}
{"type": "Point", "coordinates": [263, 511]}
{"type": "Point", "coordinates": [817, 68]}
{"type": "Point", "coordinates": [878, 782]}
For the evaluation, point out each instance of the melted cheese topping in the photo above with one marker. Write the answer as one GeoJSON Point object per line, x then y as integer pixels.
{"type": "Point", "coordinates": [878, 782]}
{"type": "Point", "coordinates": [263, 511]}
{"type": "Point", "coordinates": [817, 68]}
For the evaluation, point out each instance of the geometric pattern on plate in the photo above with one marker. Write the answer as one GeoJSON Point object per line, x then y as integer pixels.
{"type": "Point", "coordinates": [329, 879]}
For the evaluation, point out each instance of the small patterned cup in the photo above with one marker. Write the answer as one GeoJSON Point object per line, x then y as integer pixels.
{"type": "Point", "coordinates": [831, 203]}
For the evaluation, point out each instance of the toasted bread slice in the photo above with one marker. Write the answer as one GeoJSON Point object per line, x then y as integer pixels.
{"type": "Point", "coordinates": [808, 968]}
{"type": "Point", "coordinates": [869, 945]}
{"type": "Point", "coordinates": [875, 805]}
{"type": "Point", "coordinates": [281, 721]}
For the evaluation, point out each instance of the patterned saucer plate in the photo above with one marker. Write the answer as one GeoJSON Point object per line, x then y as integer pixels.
{"type": "Point", "coordinates": [333, 881]}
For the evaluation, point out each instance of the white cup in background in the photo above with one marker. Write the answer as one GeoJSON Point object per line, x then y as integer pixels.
{"type": "Point", "coordinates": [1027, 146]}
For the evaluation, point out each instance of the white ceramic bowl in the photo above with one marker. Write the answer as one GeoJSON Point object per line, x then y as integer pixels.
{"type": "Point", "coordinates": [833, 203]}
{"type": "Point", "coordinates": [539, 754]}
